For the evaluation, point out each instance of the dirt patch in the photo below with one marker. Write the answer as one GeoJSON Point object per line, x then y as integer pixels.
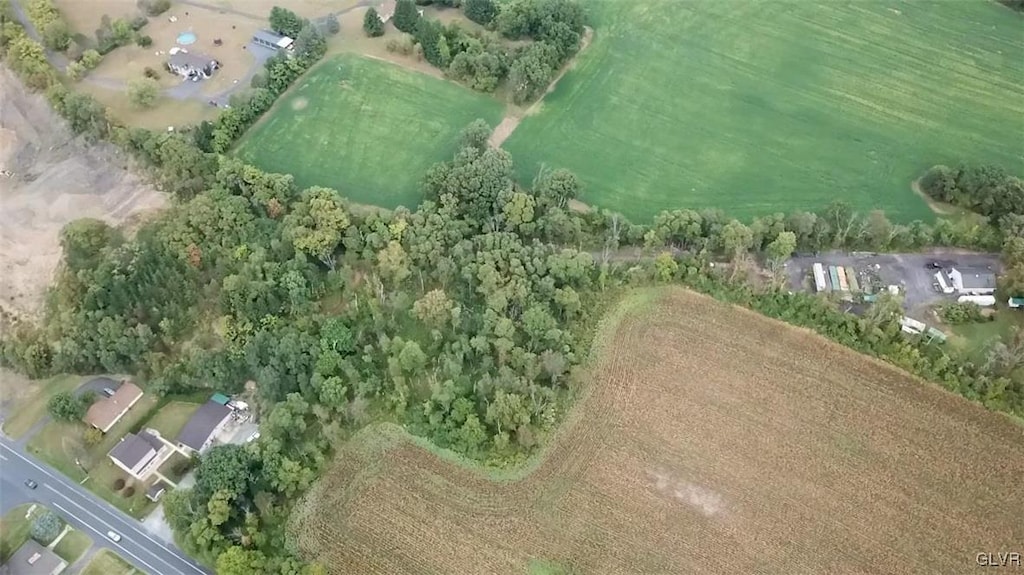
{"type": "Point", "coordinates": [937, 207]}
{"type": "Point", "coordinates": [580, 207]}
{"type": "Point", "coordinates": [709, 439]}
{"type": "Point", "coordinates": [55, 179]}
{"type": "Point", "coordinates": [299, 103]}
{"type": "Point", "coordinates": [512, 118]}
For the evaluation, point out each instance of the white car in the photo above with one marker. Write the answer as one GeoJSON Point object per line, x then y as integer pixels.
{"type": "Point", "coordinates": [113, 536]}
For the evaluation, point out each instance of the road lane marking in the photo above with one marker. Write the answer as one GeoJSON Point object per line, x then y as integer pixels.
{"type": "Point", "coordinates": [104, 536]}
{"type": "Point", "coordinates": [112, 528]}
{"type": "Point", "coordinates": [171, 550]}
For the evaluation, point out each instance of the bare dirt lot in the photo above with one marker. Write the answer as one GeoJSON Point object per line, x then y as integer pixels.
{"type": "Point", "coordinates": [55, 179]}
{"type": "Point", "coordinates": [711, 440]}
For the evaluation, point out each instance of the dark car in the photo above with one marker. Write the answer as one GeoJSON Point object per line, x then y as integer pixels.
{"type": "Point", "coordinates": [934, 265]}
{"type": "Point", "coordinates": [31, 484]}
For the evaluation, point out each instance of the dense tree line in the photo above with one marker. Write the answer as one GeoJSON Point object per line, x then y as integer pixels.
{"type": "Point", "coordinates": [49, 24]}
{"type": "Point", "coordinates": [991, 192]}
{"type": "Point", "coordinates": [279, 72]}
{"type": "Point", "coordinates": [481, 60]}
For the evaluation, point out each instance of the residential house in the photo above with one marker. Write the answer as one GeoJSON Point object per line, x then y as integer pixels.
{"type": "Point", "coordinates": [206, 423]}
{"type": "Point", "coordinates": [140, 455]}
{"type": "Point", "coordinates": [973, 281]}
{"type": "Point", "coordinates": [192, 66]}
{"type": "Point", "coordinates": [33, 559]}
{"type": "Point", "coordinates": [107, 411]}
{"type": "Point", "coordinates": [272, 40]}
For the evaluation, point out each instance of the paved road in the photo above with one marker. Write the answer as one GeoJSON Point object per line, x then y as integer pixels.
{"type": "Point", "coordinates": [88, 513]}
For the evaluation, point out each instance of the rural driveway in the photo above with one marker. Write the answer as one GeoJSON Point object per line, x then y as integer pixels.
{"type": "Point", "coordinates": [86, 512]}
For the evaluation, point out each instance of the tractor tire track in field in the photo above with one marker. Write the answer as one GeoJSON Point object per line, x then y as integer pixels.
{"type": "Point", "coordinates": [512, 117]}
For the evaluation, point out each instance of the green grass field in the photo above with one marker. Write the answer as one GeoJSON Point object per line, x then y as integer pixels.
{"type": "Point", "coordinates": [774, 105]}
{"type": "Point", "coordinates": [366, 128]}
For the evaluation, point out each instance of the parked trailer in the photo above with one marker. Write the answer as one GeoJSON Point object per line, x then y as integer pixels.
{"type": "Point", "coordinates": [834, 276]}
{"type": "Point", "coordinates": [820, 284]}
{"type": "Point", "coordinates": [911, 325]}
{"type": "Point", "coordinates": [982, 300]}
{"type": "Point", "coordinates": [851, 278]}
{"type": "Point", "coordinates": [843, 285]}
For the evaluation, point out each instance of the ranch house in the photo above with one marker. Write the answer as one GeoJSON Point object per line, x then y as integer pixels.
{"type": "Point", "coordinates": [139, 455]}
{"type": "Point", "coordinates": [192, 66]}
{"type": "Point", "coordinates": [972, 281]}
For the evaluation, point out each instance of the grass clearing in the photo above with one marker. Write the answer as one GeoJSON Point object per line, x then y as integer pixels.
{"type": "Point", "coordinates": [708, 438]}
{"type": "Point", "coordinates": [172, 418]}
{"type": "Point", "coordinates": [31, 407]}
{"type": "Point", "coordinates": [975, 338]}
{"type": "Point", "coordinates": [74, 544]}
{"type": "Point", "coordinates": [767, 106]}
{"type": "Point", "coordinates": [364, 127]}
{"type": "Point", "coordinates": [14, 531]}
{"type": "Point", "coordinates": [106, 562]}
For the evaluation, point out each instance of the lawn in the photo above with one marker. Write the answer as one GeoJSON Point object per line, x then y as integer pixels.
{"type": "Point", "coordinates": [60, 444]}
{"type": "Point", "coordinates": [73, 545]}
{"type": "Point", "coordinates": [775, 105]}
{"type": "Point", "coordinates": [14, 531]}
{"type": "Point", "coordinates": [32, 407]}
{"type": "Point", "coordinates": [975, 338]}
{"type": "Point", "coordinates": [367, 128]}
{"type": "Point", "coordinates": [171, 418]}
{"type": "Point", "coordinates": [107, 562]}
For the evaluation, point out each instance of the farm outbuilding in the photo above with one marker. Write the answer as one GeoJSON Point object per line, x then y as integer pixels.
{"type": "Point", "coordinates": [272, 40]}
{"type": "Point", "coordinates": [833, 275]}
{"type": "Point", "coordinates": [973, 281]}
{"type": "Point", "coordinates": [851, 279]}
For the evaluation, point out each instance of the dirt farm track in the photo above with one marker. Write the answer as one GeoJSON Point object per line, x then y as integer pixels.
{"type": "Point", "coordinates": [709, 440]}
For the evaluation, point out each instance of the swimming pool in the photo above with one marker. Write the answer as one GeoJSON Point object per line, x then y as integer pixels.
{"type": "Point", "coordinates": [186, 38]}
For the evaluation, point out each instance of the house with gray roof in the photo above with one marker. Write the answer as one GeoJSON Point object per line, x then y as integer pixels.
{"type": "Point", "coordinates": [272, 40]}
{"type": "Point", "coordinates": [33, 559]}
{"type": "Point", "coordinates": [192, 65]}
{"type": "Point", "coordinates": [198, 434]}
{"type": "Point", "coordinates": [140, 455]}
{"type": "Point", "coordinates": [973, 281]}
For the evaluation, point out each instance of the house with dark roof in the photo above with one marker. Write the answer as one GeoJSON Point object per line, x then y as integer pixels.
{"type": "Point", "coordinates": [272, 40]}
{"type": "Point", "coordinates": [140, 455]}
{"type": "Point", "coordinates": [206, 423]}
{"type": "Point", "coordinates": [34, 559]}
{"type": "Point", "coordinates": [192, 66]}
{"type": "Point", "coordinates": [106, 411]}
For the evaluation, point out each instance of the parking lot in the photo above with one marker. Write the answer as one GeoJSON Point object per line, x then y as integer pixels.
{"type": "Point", "coordinates": [912, 272]}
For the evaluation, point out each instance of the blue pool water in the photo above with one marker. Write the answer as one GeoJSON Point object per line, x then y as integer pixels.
{"type": "Point", "coordinates": [186, 38]}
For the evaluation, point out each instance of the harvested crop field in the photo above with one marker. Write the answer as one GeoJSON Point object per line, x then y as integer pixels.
{"type": "Point", "coordinates": [710, 440]}
{"type": "Point", "coordinates": [769, 106]}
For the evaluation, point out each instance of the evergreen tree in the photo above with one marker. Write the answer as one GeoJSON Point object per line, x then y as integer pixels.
{"type": "Point", "coordinates": [480, 11]}
{"type": "Point", "coordinates": [372, 24]}
{"type": "Point", "coordinates": [406, 16]}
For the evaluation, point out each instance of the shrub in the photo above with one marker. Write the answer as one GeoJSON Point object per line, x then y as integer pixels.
{"type": "Point", "coordinates": [151, 73]}
{"type": "Point", "coordinates": [118, 484]}
{"type": "Point", "coordinates": [957, 313]}
{"type": "Point", "coordinates": [138, 22]}
{"type": "Point", "coordinates": [154, 7]}
{"type": "Point", "coordinates": [92, 436]}
{"type": "Point", "coordinates": [75, 71]}
{"type": "Point", "coordinates": [403, 46]}
{"type": "Point", "coordinates": [128, 492]}
{"type": "Point", "coordinates": [144, 41]}
{"type": "Point", "coordinates": [142, 93]}
{"type": "Point", "coordinates": [46, 527]}
{"type": "Point", "coordinates": [91, 59]}
{"type": "Point", "coordinates": [65, 406]}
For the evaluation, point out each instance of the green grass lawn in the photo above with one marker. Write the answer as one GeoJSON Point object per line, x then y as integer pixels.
{"type": "Point", "coordinates": [171, 418]}
{"type": "Point", "coordinates": [72, 546]}
{"type": "Point", "coordinates": [107, 562]}
{"type": "Point", "coordinates": [974, 338]}
{"type": "Point", "coordinates": [367, 128]}
{"type": "Point", "coordinates": [14, 531]}
{"type": "Point", "coordinates": [774, 105]}
{"type": "Point", "coordinates": [32, 407]}
{"type": "Point", "coordinates": [61, 443]}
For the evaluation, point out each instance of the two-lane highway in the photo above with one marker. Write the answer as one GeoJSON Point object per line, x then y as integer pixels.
{"type": "Point", "coordinates": [86, 512]}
